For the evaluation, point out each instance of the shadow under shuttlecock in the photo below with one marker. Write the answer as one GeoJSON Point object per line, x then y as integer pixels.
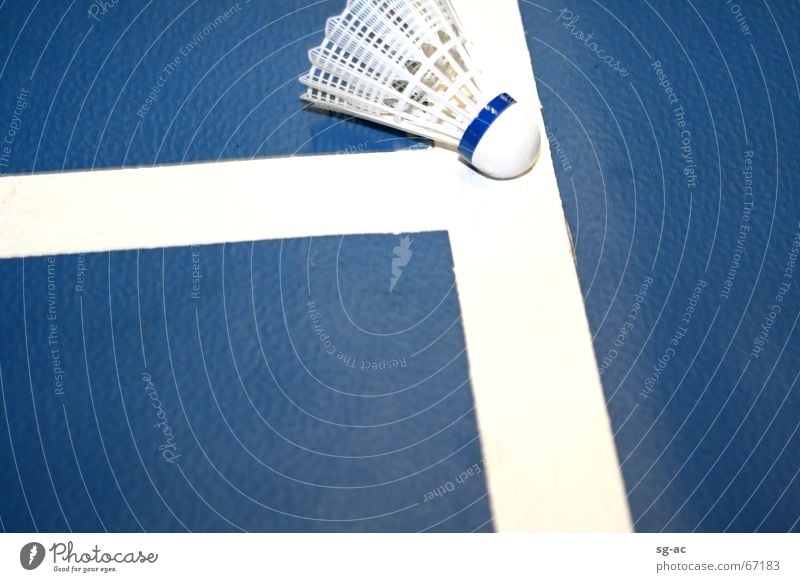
{"type": "Point", "coordinates": [358, 147]}
{"type": "Point", "coordinates": [405, 140]}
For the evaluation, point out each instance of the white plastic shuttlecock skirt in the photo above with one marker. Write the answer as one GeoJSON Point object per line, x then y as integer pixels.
{"type": "Point", "coordinates": [405, 64]}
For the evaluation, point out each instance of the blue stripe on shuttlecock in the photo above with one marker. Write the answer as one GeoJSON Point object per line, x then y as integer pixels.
{"type": "Point", "coordinates": [478, 128]}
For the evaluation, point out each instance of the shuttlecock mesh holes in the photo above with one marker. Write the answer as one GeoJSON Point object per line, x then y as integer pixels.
{"type": "Point", "coordinates": [386, 60]}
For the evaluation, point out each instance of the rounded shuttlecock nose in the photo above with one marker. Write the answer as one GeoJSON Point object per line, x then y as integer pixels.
{"type": "Point", "coordinates": [503, 141]}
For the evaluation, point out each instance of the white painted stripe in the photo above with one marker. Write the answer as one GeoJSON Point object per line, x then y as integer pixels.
{"type": "Point", "coordinates": [547, 442]}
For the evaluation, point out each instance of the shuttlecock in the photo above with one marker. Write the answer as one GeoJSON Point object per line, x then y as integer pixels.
{"type": "Point", "coordinates": [405, 64]}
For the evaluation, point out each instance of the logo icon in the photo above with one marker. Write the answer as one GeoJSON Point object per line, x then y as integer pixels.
{"type": "Point", "coordinates": [31, 555]}
{"type": "Point", "coordinates": [402, 257]}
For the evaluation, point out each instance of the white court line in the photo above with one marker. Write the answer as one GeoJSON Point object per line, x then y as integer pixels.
{"type": "Point", "coordinates": [545, 431]}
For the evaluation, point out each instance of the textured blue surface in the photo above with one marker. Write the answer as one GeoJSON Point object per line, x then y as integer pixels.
{"type": "Point", "coordinates": [696, 185]}
{"type": "Point", "coordinates": [156, 82]}
{"type": "Point", "coordinates": [274, 386]}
